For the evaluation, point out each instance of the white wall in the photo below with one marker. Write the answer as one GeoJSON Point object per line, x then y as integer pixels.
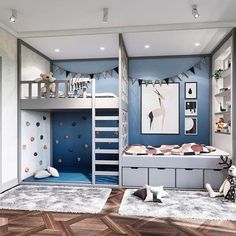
{"type": "Point", "coordinates": [8, 165]}
{"type": "Point", "coordinates": [32, 143]}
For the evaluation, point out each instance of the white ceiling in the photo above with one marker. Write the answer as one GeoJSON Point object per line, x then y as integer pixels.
{"type": "Point", "coordinates": [40, 19]}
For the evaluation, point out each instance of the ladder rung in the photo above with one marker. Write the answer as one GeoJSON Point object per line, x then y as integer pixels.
{"type": "Point", "coordinates": [106, 162]}
{"type": "Point", "coordinates": [106, 140]}
{"type": "Point", "coordinates": [106, 117]}
{"type": "Point", "coordinates": [108, 129]}
{"type": "Point", "coordinates": [107, 151]}
{"type": "Point", "coordinates": [110, 173]}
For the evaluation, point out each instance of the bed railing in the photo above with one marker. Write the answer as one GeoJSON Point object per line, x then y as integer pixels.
{"type": "Point", "coordinates": [33, 90]}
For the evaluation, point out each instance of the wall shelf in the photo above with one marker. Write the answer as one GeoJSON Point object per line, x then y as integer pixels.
{"type": "Point", "coordinates": [223, 113]}
{"type": "Point", "coordinates": [219, 132]}
{"type": "Point", "coordinates": [223, 94]}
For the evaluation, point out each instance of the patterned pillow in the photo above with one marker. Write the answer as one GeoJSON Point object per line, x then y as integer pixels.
{"type": "Point", "coordinates": [53, 171]}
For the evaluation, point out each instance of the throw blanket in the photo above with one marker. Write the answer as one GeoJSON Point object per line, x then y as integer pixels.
{"type": "Point", "coordinates": [185, 149]}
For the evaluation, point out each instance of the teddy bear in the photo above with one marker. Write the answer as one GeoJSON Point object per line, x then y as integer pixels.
{"type": "Point", "coordinates": [228, 188]}
{"type": "Point", "coordinates": [48, 81]}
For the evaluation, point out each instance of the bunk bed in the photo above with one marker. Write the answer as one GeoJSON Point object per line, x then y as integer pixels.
{"type": "Point", "coordinates": [107, 123]}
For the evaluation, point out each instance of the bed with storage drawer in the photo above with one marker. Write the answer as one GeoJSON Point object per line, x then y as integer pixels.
{"type": "Point", "coordinates": [174, 171]}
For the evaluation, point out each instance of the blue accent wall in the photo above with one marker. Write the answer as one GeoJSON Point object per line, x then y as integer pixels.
{"type": "Point", "coordinates": [160, 68]}
{"type": "Point", "coordinates": [153, 68]}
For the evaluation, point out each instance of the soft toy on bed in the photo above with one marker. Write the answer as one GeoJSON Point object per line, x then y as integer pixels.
{"type": "Point", "coordinates": [49, 85]}
{"type": "Point", "coordinates": [228, 187]}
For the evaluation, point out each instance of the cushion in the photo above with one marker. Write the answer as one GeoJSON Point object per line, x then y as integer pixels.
{"type": "Point", "coordinates": [42, 174]}
{"type": "Point", "coordinates": [141, 193]}
{"type": "Point", "coordinates": [155, 193]}
{"type": "Point", "coordinates": [53, 171]}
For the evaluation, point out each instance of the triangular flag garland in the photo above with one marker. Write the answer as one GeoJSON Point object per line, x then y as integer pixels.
{"type": "Point", "coordinates": [109, 73]}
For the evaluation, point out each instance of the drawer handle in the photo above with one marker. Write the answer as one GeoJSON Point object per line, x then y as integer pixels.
{"type": "Point", "coordinates": [134, 168]}
{"type": "Point", "coordinates": [217, 169]}
{"type": "Point", "coordinates": [188, 169]}
{"type": "Point", "coordinates": [161, 168]}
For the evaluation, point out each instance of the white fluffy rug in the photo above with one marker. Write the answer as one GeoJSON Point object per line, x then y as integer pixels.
{"type": "Point", "coordinates": [55, 198]}
{"type": "Point", "coordinates": [180, 204]}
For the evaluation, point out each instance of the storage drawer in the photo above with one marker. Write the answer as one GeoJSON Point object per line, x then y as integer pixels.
{"type": "Point", "coordinates": [135, 176]}
{"type": "Point", "coordinates": [189, 178]}
{"type": "Point", "coordinates": [215, 177]}
{"type": "Point", "coordinates": [162, 176]}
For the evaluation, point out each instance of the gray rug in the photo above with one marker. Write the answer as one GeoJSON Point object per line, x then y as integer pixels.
{"type": "Point", "coordinates": [55, 198]}
{"type": "Point", "coordinates": [180, 204]}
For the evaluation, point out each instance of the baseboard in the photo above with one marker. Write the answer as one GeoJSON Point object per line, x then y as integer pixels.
{"type": "Point", "coordinates": [8, 185]}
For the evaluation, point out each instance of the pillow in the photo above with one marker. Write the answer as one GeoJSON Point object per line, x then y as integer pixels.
{"type": "Point", "coordinates": [154, 194]}
{"type": "Point", "coordinates": [53, 171]}
{"type": "Point", "coordinates": [41, 174]}
{"type": "Point", "coordinates": [141, 193]}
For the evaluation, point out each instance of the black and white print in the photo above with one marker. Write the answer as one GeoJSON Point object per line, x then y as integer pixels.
{"type": "Point", "coordinates": [191, 90]}
{"type": "Point", "coordinates": [190, 107]}
{"type": "Point", "coordinates": [190, 126]}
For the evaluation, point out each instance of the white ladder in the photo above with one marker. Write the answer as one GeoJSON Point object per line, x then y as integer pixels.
{"type": "Point", "coordinates": [100, 165]}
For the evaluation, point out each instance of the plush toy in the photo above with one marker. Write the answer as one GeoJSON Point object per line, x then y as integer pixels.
{"type": "Point", "coordinates": [49, 85]}
{"type": "Point", "coordinates": [228, 187]}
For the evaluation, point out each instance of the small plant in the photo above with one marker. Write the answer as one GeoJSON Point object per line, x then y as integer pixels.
{"type": "Point", "coordinates": [217, 74]}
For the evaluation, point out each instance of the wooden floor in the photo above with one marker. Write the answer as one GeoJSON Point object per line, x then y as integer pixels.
{"type": "Point", "coordinates": [108, 222]}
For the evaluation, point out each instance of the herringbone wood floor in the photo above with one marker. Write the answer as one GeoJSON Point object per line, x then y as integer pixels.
{"type": "Point", "coordinates": [108, 222]}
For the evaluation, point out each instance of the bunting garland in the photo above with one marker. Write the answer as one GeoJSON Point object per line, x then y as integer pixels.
{"type": "Point", "coordinates": [109, 73]}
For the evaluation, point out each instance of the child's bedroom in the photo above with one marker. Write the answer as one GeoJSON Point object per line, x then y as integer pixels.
{"type": "Point", "coordinates": [117, 117]}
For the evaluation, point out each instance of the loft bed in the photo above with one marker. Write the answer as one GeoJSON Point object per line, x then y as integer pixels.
{"type": "Point", "coordinates": [185, 170]}
{"type": "Point", "coordinates": [33, 99]}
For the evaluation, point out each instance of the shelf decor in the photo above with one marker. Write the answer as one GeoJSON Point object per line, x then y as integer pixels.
{"type": "Point", "coordinates": [160, 109]}
{"type": "Point", "coordinates": [217, 74]}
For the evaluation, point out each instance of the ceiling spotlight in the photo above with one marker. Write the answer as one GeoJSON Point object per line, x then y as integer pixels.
{"type": "Point", "coordinates": [57, 50]}
{"type": "Point", "coordinates": [195, 11]}
{"type": "Point", "coordinates": [147, 46]}
{"type": "Point", "coordinates": [197, 44]}
{"type": "Point", "coordinates": [13, 16]}
{"type": "Point", "coordinates": [105, 15]}
{"type": "Point", "coordinates": [102, 48]}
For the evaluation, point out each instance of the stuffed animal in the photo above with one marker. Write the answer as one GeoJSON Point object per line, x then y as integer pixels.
{"type": "Point", "coordinates": [49, 85]}
{"type": "Point", "coordinates": [228, 187]}
{"type": "Point", "coordinates": [221, 124]}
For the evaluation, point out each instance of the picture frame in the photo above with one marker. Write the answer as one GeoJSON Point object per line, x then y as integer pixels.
{"type": "Point", "coordinates": [190, 108]}
{"type": "Point", "coordinates": [160, 108]}
{"type": "Point", "coordinates": [190, 89]}
{"type": "Point", "coordinates": [191, 126]}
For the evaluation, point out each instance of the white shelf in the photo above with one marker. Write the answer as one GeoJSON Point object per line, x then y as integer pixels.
{"type": "Point", "coordinates": [223, 113]}
{"type": "Point", "coordinates": [223, 94]}
{"type": "Point", "coordinates": [228, 133]}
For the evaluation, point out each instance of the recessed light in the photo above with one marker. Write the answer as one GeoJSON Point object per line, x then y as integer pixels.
{"type": "Point", "coordinates": [102, 48]}
{"type": "Point", "coordinates": [147, 46]}
{"type": "Point", "coordinates": [197, 44]}
{"type": "Point", "coordinates": [57, 50]}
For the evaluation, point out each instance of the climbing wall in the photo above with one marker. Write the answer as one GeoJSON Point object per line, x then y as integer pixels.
{"type": "Point", "coordinates": [71, 137]}
{"type": "Point", "coordinates": [35, 142]}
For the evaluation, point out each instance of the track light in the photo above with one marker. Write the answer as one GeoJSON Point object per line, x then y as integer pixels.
{"type": "Point", "coordinates": [195, 11]}
{"type": "Point", "coordinates": [13, 16]}
{"type": "Point", "coordinates": [105, 15]}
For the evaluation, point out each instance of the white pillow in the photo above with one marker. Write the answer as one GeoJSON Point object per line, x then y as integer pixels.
{"type": "Point", "coordinates": [41, 174]}
{"type": "Point", "coordinates": [158, 191]}
{"type": "Point", "coordinates": [53, 171]}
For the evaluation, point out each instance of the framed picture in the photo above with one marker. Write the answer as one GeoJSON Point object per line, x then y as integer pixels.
{"type": "Point", "coordinates": [160, 108]}
{"type": "Point", "coordinates": [190, 108]}
{"type": "Point", "coordinates": [190, 90]}
{"type": "Point", "coordinates": [190, 126]}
